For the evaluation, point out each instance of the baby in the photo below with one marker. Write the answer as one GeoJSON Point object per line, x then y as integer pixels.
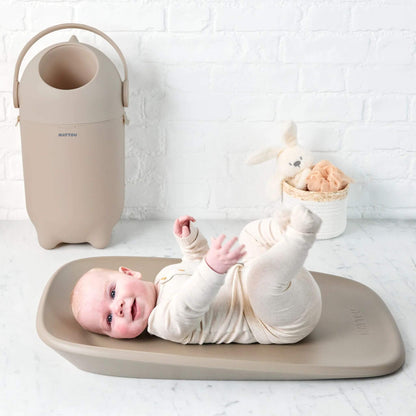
{"type": "Point", "coordinates": [211, 297]}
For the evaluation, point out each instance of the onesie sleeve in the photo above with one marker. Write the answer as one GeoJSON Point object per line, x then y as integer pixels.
{"type": "Point", "coordinates": [195, 246]}
{"type": "Point", "coordinates": [177, 317]}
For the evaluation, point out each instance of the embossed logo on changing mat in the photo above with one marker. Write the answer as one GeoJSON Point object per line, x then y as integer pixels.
{"type": "Point", "coordinates": [67, 134]}
{"type": "Point", "coordinates": [360, 323]}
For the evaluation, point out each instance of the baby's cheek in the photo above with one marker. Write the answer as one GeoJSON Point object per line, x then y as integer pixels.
{"type": "Point", "coordinates": [121, 329]}
{"type": "Point", "coordinates": [124, 330]}
{"type": "Point", "coordinates": [134, 285]}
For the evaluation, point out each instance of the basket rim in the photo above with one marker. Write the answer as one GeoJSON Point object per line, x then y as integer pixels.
{"type": "Point", "coordinates": [313, 195]}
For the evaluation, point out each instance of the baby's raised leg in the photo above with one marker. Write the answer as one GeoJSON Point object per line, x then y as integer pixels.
{"type": "Point", "coordinates": [269, 275]}
{"type": "Point", "coordinates": [258, 236]}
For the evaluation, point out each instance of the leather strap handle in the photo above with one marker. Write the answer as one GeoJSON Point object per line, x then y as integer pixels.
{"type": "Point", "coordinates": [125, 83]}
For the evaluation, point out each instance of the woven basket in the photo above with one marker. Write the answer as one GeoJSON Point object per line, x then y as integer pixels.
{"type": "Point", "coordinates": [330, 206]}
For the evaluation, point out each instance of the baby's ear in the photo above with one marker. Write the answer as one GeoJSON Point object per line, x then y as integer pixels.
{"type": "Point", "coordinates": [130, 272]}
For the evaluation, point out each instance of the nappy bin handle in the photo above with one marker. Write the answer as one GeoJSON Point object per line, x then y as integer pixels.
{"type": "Point", "coordinates": [125, 83]}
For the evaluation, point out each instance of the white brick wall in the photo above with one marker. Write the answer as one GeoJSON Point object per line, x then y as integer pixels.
{"type": "Point", "coordinates": [214, 80]}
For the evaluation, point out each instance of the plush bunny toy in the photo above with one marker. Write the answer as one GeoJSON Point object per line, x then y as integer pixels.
{"type": "Point", "coordinates": [293, 163]}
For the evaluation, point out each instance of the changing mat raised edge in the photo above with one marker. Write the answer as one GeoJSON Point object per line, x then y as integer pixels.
{"type": "Point", "coordinates": [356, 337]}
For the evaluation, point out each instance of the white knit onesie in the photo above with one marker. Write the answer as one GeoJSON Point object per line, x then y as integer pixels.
{"type": "Point", "coordinates": [269, 298]}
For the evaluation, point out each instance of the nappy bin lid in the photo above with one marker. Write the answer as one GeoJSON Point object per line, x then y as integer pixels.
{"type": "Point", "coordinates": [70, 82]}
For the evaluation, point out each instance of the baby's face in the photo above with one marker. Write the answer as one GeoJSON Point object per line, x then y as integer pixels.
{"type": "Point", "coordinates": [114, 303]}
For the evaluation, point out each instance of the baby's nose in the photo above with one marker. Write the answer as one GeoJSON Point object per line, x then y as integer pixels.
{"type": "Point", "coordinates": [119, 308]}
{"type": "Point", "coordinates": [297, 163]}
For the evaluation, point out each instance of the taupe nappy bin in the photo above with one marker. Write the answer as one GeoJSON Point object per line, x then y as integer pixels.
{"type": "Point", "coordinates": [72, 118]}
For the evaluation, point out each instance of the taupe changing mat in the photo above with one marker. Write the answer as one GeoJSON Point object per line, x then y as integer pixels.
{"type": "Point", "coordinates": [356, 337]}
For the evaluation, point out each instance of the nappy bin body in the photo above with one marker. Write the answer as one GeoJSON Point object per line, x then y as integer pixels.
{"type": "Point", "coordinates": [71, 100]}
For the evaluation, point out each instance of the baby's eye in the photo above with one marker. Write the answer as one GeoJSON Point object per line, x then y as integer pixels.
{"type": "Point", "coordinates": [112, 291]}
{"type": "Point", "coordinates": [109, 318]}
{"type": "Point", "coordinates": [290, 164]}
{"type": "Point", "coordinates": [300, 157]}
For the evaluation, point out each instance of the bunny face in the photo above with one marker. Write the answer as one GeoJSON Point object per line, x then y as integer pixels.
{"type": "Point", "coordinates": [293, 160]}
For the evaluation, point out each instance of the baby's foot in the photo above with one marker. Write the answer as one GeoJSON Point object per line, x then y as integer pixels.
{"type": "Point", "coordinates": [304, 220]}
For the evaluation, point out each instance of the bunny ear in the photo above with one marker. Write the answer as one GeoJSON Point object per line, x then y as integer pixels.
{"type": "Point", "coordinates": [290, 134]}
{"type": "Point", "coordinates": [263, 155]}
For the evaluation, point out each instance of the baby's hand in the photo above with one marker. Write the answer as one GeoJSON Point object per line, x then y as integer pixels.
{"type": "Point", "coordinates": [181, 227]}
{"type": "Point", "coordinates": [220, 258]}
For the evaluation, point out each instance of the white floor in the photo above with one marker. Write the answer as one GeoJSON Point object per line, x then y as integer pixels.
{"type": "Point", "coordinates": [34, 380]}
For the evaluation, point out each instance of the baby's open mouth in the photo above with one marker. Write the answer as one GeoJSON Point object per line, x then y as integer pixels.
{"type": "Point", "coordinates": [133, 310]}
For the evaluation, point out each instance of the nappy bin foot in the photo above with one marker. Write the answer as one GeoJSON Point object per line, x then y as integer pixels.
{"type": "Point", "coordinates": [100, 238]}
{"type": "Point", "coordinates": [47, 241]}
